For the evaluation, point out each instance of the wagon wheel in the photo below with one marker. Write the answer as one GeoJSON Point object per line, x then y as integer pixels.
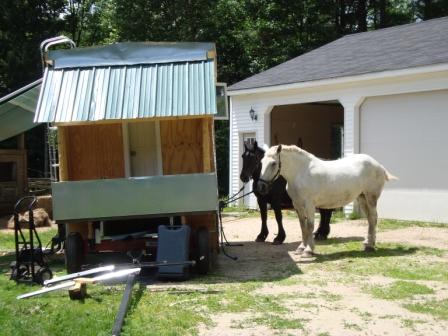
{"type": "Point", "coordinates": [203, 251]}
{"type": "Point", "coordinates": [44, 273]}
{"type": "Point", "coordinates": [17, 273]}
{"type": "Point", "coordinates": [74, 252]}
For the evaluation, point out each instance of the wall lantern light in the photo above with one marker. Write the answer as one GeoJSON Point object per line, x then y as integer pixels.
{"type": "Point", "coordinates": [253, 114]}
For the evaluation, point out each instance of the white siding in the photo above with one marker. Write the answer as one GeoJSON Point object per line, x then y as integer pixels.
{"type": "Point", "coordinates": [240, 122]}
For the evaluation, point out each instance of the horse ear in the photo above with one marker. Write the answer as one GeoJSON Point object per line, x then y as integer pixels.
{"type": "Point", "coordinates": [245, 146]}
{"type": "Point", "coordinates": [279, 149]}
{"type": "Point", "coordinates": [255, 145]}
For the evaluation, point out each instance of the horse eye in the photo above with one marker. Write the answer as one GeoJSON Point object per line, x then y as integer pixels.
{"type": "Point", "coordinates": [274, 164]}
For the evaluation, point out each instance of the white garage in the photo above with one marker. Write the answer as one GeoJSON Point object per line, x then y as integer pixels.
{"type": "Point", "coordinates": [386, 89]}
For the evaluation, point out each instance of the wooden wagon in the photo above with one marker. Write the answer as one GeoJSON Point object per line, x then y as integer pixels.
{"type": "Point", "coordinates": [134, 125]}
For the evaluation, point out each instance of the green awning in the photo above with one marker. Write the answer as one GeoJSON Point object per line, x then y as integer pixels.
{"type": "Point", "coordinates": [17, 110]}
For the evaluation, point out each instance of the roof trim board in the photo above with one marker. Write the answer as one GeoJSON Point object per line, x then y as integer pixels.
{"type": "Point", "coordinates": [131, 53]}
{"type": "Point", "coordinates": [17, 110]}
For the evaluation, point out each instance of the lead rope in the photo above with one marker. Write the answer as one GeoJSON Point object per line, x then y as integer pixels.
{"type": "Point", "coordinates": [224, 242]}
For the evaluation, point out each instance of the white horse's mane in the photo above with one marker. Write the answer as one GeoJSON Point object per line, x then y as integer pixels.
{"type": "Point", "coordinates": [291, 149]}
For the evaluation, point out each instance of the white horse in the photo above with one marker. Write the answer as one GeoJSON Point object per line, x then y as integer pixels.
{"type": "Point", "coordinates": [315, 183]}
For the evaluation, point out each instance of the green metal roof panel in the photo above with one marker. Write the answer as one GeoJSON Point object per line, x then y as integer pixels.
{"type": "Point", "coordinates": [17, 110]}
{"type": "Point", "coordinates": [128, 81]}
{"type": "Point", "coordinates": [128, 92]}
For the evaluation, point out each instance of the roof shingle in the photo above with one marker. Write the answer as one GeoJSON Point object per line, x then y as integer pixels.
{"type": "Point", "coordinates": [400, 47]}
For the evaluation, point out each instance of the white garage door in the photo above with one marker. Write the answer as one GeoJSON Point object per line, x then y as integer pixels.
{"type": "Point", "coordinates": [408, 134]}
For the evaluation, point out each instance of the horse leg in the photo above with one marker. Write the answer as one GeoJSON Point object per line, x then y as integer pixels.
{"type": "Point", "coordinates": [264, 226]}
{"type": "Point", "coordinates": [368, 205]}
{"type": "Point", "coordinates": [281, 231]}
{"type": "Point", "coordinates": [302, 221]}
{"type": "Point", "coordinates": [308, 234]}
{"type": "Point", "coordinates": [323, 230]}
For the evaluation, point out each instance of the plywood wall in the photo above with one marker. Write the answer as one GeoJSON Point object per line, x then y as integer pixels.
{"type": "Point", "coordinates": [187, 146]}
{"type": "Point", "coordinates": [92, 151]}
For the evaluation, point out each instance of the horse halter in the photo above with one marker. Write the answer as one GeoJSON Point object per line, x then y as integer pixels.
{"type": "Point", "coordinates": [277, 174]}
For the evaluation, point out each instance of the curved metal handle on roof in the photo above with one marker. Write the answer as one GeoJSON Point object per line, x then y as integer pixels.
{"type": "Point", "coordinates": [46, 44]}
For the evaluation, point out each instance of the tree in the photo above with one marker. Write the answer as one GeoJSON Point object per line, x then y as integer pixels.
{"type": "Point", "coordinates": [430, 9]}
{"type": "Point", "coordinates": [250, 35]}
{"type": "Point", "coordinates": [24, 24]}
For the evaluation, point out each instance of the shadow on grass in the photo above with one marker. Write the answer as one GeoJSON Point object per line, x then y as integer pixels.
{"type": "Point", "coordinates": [380, 252]}
{"type": "Point", "coordinates": [264, 262]}
{"type": "Point", "coordinates": [341, 240]}
{"type": "Point", "coordinates": [136, 297]}
{"type": "Point", "coordinates": [260, 262]}
{"type": "Point", "coordinates": [55, 262]}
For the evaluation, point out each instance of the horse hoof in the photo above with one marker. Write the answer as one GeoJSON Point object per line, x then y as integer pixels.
{"type": "Point", "coordinates": [307, 254]}
{"type": "Point", "coordinates": [368, 248]}
{"type": "Point", "coordinates": [319, 236]}
{"type": "Point", "coordinates": [278, 240]}
{"type": "Point", "coordinates": [299, 251]}
{"type": "Point", "coordinates": [261, 238]}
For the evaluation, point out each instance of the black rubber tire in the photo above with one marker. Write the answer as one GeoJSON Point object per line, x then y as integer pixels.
{"type": "Point", "coordinates": [17, 274]}
{"type": "Point", "coordinates": [44, 273]}
{"type": "Point", "coordinates": [203, 251]}
{"type": "Point", "coordinates": [74, 252]}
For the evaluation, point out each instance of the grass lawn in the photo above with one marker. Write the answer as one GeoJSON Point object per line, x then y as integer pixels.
{"type": "Point", "coordinates": [414, 277]}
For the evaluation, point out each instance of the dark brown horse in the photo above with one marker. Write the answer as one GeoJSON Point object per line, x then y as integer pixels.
{"type": "Point", "coordinates": [277, 197]}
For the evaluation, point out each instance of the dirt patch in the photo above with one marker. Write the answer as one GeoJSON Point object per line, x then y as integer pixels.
{"type": "Point", "coordinates": [419, 236]}
{"type": "Point", "coordinates": [329, 303]}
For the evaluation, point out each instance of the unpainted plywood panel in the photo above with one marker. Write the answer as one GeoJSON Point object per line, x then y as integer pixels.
{"type": "Point", "coordinates": [207, 145]}
{"type": "Point", "coordinates": [94, 152]}
{"type": "Point", "coordinates": [181, 146]}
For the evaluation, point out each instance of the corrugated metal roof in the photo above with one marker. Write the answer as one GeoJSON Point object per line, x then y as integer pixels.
{"type": "Point", "coordinates": [127, 81]}
{"type": "Point", "coordinates": [127, 92]}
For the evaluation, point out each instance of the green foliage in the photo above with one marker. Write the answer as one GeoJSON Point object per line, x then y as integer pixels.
{"type": "Point", "coordinates": [23, 26]}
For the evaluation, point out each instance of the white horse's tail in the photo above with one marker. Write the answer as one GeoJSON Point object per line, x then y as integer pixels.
{"type": "Point", "coordinates": [389, 176]}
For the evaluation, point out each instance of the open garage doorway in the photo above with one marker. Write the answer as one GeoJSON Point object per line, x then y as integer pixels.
{"type": "Point", "coordinates": [316, 127]}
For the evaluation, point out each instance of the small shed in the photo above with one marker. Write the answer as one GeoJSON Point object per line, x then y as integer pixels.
{"type": "Point", "coordinates": [383, 92]}
{"type": "Point", "coordinates": [16, 117]}
{"type": "Point", "coordinates": [135, 139]}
